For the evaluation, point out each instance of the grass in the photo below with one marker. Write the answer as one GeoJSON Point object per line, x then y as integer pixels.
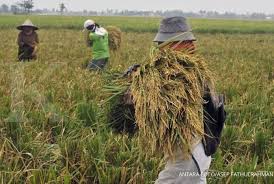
{"type": "Point", "coordinates": [53, 119]}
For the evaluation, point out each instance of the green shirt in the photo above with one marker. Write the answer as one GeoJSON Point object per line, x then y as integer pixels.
{"type": "Point", "coordinates": [100, 48]}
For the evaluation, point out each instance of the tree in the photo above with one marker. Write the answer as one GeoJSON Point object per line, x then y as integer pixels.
{"type": "Point", "coordinates": [4, 8]}
{"type": "Point", "coordinates": [26, 5]}
{"type": "Point", "coordinates": [14, 9]}
{"type": "Point", "coordinates": [62, 8]}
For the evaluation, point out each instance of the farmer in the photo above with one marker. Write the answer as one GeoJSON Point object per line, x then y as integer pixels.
{"type": "Point", "coordinates": [98, 38]}
{"type": "Point", "coordinates": [27, 41]}
{"type": "Point", "coordinates": [176, 34]}
{"type": "Point", "coordinates": [177, 171]}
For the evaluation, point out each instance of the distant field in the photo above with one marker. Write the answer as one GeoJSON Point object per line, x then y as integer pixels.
{"type": "Point", "coordinates": [142, 24]}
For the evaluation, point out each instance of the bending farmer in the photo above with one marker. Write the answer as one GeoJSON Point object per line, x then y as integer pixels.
{"type": "Point", "coordinates": [98, 39]}
{"type": "Point", "coordinates": [27, 41]}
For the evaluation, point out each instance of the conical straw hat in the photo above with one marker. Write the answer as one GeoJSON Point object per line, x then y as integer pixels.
{"type": "Point", "coordinates": [27, 23]}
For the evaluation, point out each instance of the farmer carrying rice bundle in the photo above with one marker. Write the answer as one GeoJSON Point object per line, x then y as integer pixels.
{"type": "Point", "coordinates": [114, 38]}
{"type": "Point", "coordinates": [98, 40]}
{"type": "Point", "coordinates": [27, 41]}
{"type": "Point", "coordinates": [173, 103]}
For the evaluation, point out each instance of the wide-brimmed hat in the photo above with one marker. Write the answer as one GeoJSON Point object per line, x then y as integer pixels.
{"type": "Point", "coordinates": [27, 23]}
{"type": "Point", "coordinates": [175, 28]}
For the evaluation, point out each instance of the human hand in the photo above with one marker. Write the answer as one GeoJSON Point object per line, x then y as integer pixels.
{"type": "Point", "coordinates": [131, 69]}
{"type": "Point", "coordinates": [34, 51]}
{"type": "Point", "coordinates": [128, 98]}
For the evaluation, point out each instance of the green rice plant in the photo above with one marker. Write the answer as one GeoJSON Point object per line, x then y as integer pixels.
{"type": "Point", "coordinates": [4, 108]}
{"type": "Point", "coordinates": [261, 143]}
{"type": "Point", "coordinates": [14, 129]}
{"type": "Point", "coordinates": [87, 113]}
{"type": "Point", "coordinates": [231, 135]}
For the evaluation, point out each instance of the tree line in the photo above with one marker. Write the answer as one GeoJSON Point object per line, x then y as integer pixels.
{"type": "Point", "coordinates": [26, 7]}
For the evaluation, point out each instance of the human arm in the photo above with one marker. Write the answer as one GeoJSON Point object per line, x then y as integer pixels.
{"type": "Point", "coordinates": [20, 42]}
{"type": "Point", "coordinates": [131, 69]}
{"type": "Point", "coordinates": [214, 119]}
{"type": "Point", "coordinates": [35, 46]}
{"type": "Point", "coordinates": [35, 50]}
{"type": "Point", "coordinates": [87, 39]}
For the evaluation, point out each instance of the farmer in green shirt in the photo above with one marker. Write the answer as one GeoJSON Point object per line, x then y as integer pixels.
{"type": "Point", "coordinates": [98, 39]}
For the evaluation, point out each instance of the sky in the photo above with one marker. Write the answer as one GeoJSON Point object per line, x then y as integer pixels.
{"type": "Point", "coordinates": [237, 6]}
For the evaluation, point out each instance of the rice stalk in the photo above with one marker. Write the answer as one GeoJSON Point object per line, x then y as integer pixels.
{"type": "Point", "coordinates": [115, 37]}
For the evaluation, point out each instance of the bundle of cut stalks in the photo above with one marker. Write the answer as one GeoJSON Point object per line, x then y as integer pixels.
{"type": "Point", "coordinates": [115, 37]}
{"type": "Point", "coordinates": [167, 95]}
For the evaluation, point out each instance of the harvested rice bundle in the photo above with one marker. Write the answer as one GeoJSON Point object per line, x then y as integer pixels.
{"type": "Point", "coordinates": [167, 95]}
{"type": "Point", "coordinates": [115, 37]}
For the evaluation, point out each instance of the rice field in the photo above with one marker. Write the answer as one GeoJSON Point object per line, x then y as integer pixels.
{"type": "Point", "coordinates": [143, 24]}
{"type": "Point", "coordinates": [53, 119]}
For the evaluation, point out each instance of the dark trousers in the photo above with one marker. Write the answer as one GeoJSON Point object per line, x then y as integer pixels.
{"type": "Point", "coordinates": [97, 64]}
{"type": "Point", "coordinates": [25, 53]}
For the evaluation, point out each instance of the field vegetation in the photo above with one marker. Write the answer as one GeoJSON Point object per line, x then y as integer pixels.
{"type": "Point", "coordinates": [141, 24]}
{"type": "Point", "coordinates": [53, 119]}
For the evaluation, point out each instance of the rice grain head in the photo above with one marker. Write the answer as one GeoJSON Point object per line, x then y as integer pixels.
{"type": "Point", "coordinates": [168, 98]}
{"type": "Point", "coordinates": [115, 37]}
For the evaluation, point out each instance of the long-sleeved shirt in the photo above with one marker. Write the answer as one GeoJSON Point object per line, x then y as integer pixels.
{"type": "Point", "coordinates": [31, 40]}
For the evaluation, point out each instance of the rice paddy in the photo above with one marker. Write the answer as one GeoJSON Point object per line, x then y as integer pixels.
{"type": "Point", "coordinates": [54, 119]}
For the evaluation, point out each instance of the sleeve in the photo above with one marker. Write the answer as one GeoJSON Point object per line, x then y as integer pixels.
{"type": "Point", "coordinates": [91, 37]}
{"type": "Point", "coordinates": [19, 39]}
{"type": "Point", "coordinates": [87, 39]}
{"type": "Point", "coordinates": [131, 69]}
{"type": "Point", "coordinates": [214, 120]}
